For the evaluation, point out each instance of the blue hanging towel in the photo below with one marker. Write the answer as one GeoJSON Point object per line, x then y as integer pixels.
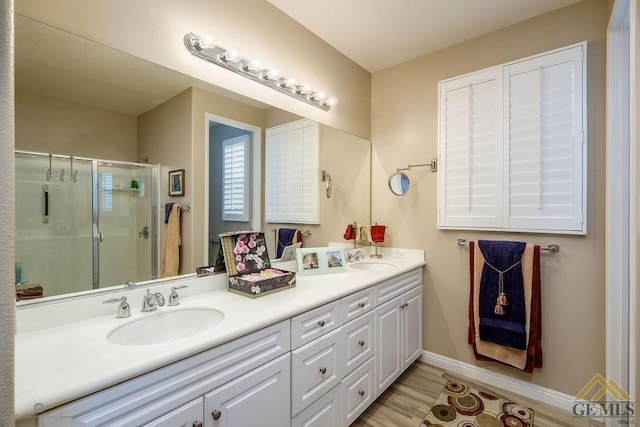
{"type": "Point", "coordinates": [502, 302]}
{"type": "Point", "coordinates": [286, 237]}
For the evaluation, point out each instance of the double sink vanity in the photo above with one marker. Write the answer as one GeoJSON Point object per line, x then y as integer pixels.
{"type": "Point", "coordinates": [315, 355]}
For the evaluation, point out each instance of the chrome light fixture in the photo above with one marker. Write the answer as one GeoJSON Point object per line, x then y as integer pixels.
{"type": "Point", "coordinates": [203, 47]}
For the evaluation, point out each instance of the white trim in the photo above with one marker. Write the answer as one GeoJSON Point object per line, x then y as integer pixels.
{"type": "Point", "coordinates": [523, 388]}
{"type": "Point", "coordinates": [256, 162]}
{"type": "Point", "coordinates": [619, 195]}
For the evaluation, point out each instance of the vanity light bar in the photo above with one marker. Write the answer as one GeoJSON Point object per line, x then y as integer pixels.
{"type": "Point", "coordinates": [231, 60]}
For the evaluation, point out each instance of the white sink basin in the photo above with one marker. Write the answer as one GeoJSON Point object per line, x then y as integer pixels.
{"type": "Point", "coordinates": [373, 265]}
{"type": "Point", "coordinates": [165, 326]}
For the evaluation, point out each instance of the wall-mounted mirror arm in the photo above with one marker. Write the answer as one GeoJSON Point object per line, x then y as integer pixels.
{"type": "Point", "coordinates": [433, 164]}
{"type": "Point", "coordinates": [326, 177]}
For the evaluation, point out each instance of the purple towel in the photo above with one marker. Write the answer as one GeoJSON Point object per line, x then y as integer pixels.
{"type": "Point", "coordinates": [167, 212]}
{"type": "Point", "coordinates": [285, 238]}
{"type": "Point", "coordinates": [508, 328]}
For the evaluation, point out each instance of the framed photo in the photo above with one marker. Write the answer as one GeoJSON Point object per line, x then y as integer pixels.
{"type": "Point", "coordinates": [176, 182]}
{"type": "Point", "coordinates": [324, 260]}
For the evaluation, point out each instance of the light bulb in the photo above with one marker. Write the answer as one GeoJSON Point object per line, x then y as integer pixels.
{"type": "Point", "coordinates": [303, 89]}
{"type": "Point", "coordinates": [331, 101]}
{"type": "Point", "coordinates": [273, 74]}
{"type": "Point", "coordinates": [206, 41]}
{"type": "Point", "coordinates": [318, 96]}
{"type": "Point", "coordinates": [231, 55]}
{"type": "Point", "coordinates": [252, 65]}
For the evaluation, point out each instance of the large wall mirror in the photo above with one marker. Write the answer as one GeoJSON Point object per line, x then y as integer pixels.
{"type": "Point", "coordinates": [98, 130]}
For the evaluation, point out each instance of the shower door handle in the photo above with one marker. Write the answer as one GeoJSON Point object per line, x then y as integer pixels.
{"type": "Point", "coordinates": [45, 189]}
{"type": "Point", "coordinates": [144, 233]}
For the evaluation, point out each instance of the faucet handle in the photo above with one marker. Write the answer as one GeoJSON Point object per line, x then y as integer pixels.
{"type": "Point", "coordinates": [174, 298]}
{"type": "Point", "coordinates": [159, 299]}
{"type": "Point", "coordinates": [124, 310]}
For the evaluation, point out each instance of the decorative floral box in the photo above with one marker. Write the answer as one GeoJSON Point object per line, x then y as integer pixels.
{"type": "Point", "coordinates": [246, 261]}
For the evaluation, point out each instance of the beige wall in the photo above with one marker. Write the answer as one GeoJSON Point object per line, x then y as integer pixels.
{"type": "Point", "coordinates": [164, 136]}
{"type": "Point", "coordinates": [154, 30]}
{"type": "Point", "coordinates": [404, 130]}
{"type": "Point", "coordinates": [49, 125]}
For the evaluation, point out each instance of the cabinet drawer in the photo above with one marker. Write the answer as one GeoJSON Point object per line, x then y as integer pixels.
{"type": "Point", "coordinates": [359, 336]}
{"type": "Point", "coordinates": [358, 391]}
{"type": "Point", "coordinates": [315, 369]}
{"type": "Point", "coordinates": [186, 415]}
{"type": "Point", "coordinates": [314, 323]}
{"type": "Point", "coordinates": [325, 412]}
{"type": "Point", "coordinates": [389, 289]}
{"type": "Point", "coordinates": [357, 304]}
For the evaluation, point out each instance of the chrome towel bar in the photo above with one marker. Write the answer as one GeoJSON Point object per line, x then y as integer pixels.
{"type": "Point", "coordinates": [552, 247]}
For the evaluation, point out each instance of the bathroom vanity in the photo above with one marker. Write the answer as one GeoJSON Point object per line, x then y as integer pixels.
{"type": "Point", "coordinates": [317, 354]}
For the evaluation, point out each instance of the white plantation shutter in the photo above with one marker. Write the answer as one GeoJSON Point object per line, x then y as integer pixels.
{"type": "Point", "coordinates": [544, 173]}
{"type": "Point", "coordinates": [292, 155]}
{"type": "Point", "coordinates": [471, 125]}
{"type": "Point", "coordinates": [511, 146]}
{"type": "Point", "coordinates": [235, 179]}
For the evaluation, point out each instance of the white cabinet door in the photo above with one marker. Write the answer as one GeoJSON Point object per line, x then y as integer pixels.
{"type": "Point", "coordinates": [324, 412]}
{"type": "Point", "coordinates": [259, 398]}
{"type": "Point", "coordinates": [412, 326]}
{"type": "Point", "coordinates": [188, 415]}
{"type": "Point", "coordinates": [388, 322]}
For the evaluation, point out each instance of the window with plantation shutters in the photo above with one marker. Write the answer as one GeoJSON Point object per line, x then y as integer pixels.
{"type": "Point", "coordinates": [235, 179]}
{"type": "Point", "coordinates": [292, 155]}
{"type": "Point", "coordinates": [471, 158]}
{"type": "Point", "coordinates": [512, 146]}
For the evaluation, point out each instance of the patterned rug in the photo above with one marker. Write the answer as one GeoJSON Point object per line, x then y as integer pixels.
{"type": "Point", "coordinates": [460, 405]}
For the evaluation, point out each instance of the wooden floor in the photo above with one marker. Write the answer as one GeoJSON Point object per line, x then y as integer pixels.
{"type": "Point", "coordinates": [407, 401]}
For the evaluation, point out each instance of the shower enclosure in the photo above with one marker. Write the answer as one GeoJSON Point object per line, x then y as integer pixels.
{"type": "Point", "coordinates": [83, 223]}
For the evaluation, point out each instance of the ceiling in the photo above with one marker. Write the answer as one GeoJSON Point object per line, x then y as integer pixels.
{"type": "Point", "coordinates": [377, 34]}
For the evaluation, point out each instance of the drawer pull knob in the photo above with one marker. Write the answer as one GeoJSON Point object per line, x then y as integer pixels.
{"type": "Point", "coordinates": [216, 414]}
{"type": "Point", "coordinates": [361, 342]}
{"type": "Point", "coordinates": [321, 323]}
{"type": "Point", "coordinates": [323, 370]}
{"type": "Point", "coordinates": [197, 424]}
{"type": "Point", "coordinates": [405, 305]}
{"type": "Point", "coordinates": [361, 305]}
{"type": "Point", "coordinates": [361, 393]}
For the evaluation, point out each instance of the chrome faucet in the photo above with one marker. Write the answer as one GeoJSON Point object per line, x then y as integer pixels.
{"type": "Point", "coordinates": [174, 298]}
{"type": "Point", "coordinates": [124, 310]}
{"type": "Point", "coordinates": [358, 256]}
{"type": "Point", "coordinates": [150, 302]}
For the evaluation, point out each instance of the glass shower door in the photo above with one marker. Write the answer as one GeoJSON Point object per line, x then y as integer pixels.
{"type": "Point", "coordinates": [54, 222]}
{"type": "Point", "coordinates": [125, 227]}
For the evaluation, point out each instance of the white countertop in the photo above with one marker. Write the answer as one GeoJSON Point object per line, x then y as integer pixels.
{"type": "Point", "coordinates": [71, 358]}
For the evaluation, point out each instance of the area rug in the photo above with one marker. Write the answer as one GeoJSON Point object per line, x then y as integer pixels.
{"type": "Point", "coordinates": [460, 405]}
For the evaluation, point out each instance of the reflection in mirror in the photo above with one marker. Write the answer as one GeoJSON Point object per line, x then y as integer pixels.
{"type": "Point", "coordinates": [399, 183]}
{"type": "Point", "coordinates": [126, 120]}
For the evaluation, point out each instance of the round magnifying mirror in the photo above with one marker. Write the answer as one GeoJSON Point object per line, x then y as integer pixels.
{"type": "Point", "coordinates": [399, 183]}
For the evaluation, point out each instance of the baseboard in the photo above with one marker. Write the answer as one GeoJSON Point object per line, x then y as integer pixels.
{"type": "Point", "coordinates": [523, 388]}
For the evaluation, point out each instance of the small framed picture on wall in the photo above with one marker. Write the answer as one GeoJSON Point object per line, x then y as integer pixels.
{"type": "Point", "coordinates": [176, 182]}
